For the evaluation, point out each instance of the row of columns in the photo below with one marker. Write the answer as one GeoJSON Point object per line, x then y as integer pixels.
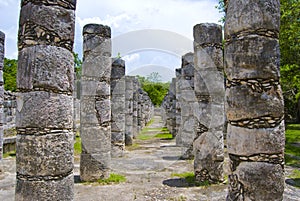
{"type": "Point", "coordinates": [254, 103]}
{"type": "Point", "coordinates": [199, 113]}
{"type": "Point", "coordinates": [107, 98]}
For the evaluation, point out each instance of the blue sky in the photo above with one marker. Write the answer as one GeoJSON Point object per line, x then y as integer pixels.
{"type": "Point", "coordinates": [177, 17]}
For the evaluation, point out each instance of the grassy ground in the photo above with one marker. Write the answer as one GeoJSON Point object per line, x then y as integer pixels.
{"type": "Point", "coordinates": [292, 145]}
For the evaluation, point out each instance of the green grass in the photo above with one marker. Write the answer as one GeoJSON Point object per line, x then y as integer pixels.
{"type": "Point", "coordinates": [9, 154]}
{"type": "Point", "coordinates": [165, 136]}
{"type": "Point", "coordinates": [133, 147]}
{"type": "Point", "coordinates": [150, 122]}
{"type": "Point", "coordinates": [113, 179]}
{"type": "Point", "coordinates": [292, 151]}
{"type": "Point", "coordinates": [190, 179]}
{"type": "Point", "coordinates": [77, 145]}
{"type": "Point", "coordinates": [295, 176]}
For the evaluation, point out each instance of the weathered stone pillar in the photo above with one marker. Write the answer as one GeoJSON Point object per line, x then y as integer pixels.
{"type": "Point", "coordinates": [254, 102]}
{"type": "Point", "coordinates": [44, 121]}
{"type": "Point", "coordinates": [178, 103]}
{"type": "Point", "coordinates": [117, 83]}
{"type": "Point", "coordinates": [2, 38]}
{"type": "Point", "coordinates": [129, 111]}
{"type": "Point", "coordinates": [95, 121]}
{"type": "Point", "coordinates": [135, 107]}
{"type": "Point", "coordinates": [209, 112]}
{"type": "Point", "coordinates": [186, 85]}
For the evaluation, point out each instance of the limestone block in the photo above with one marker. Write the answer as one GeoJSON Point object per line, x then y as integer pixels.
{"type": "Point", "coordinates": [37, 28]}
{"type": "Point", "coordinates": [252, 58]}
{"type": "Point", "coordinates": [45, 155]}
{"type": "Point", "coordinates": [209, 155]}
{"type": "Point", "coordinates": [95, 139]}
{"type": "Point", "coordinates": [94, 88]}
{"type": "Point", "coordinates": [207, 33]}
{"type": "Point", "coordinates": [44, 110]}
{"type": "Point", "coordinates": [118, 123]}
{"type": "Point", "coordinates": [244, 103]}
{"type": "Point", "coordinates": [266, 17]}
{"type": "Point", "coordinates": [61, 189]}
{"type": "Point", "coordinates": [207, 58]}
{"type": "Point", "coordinates": [118, 87]}
{"type": "Point", "coordinates": [211, 115]}
{"type": "Point", "coordinates": [187, 97]}
{"type": "Point", "coordinates": [97, 66]}
{"type": "Point", "coordinates": [209, 82]}
{"type": "Point", "coordinates": [46, 67]}
{"type": "Point", "coordinates": [94, 166]}
{"type": "Point", "coordinates": [260, 181]}
{"type": "Point", "coordinates": [247, 142]}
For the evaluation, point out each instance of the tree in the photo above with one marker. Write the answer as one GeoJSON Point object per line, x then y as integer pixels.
{"type": "Point", "coordinates": [10, 74]}
{"type": "Point", "coordinates": [156, 90]}
{"type": "Point", "coordinates": [77, 65]}
{"type": "Point", "coordinates": [289, 40]}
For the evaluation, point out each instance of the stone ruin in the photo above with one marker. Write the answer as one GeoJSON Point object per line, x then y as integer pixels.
{"type": "Point", "coordinates": [254, 105]}
{"type": "Point", "coordinates": [44, 120]}
{"type": "Point", "coordinates": [194, 105]}
{"type": "Point", "coordinates": [209, 112]}
{"type": "Point", "coordinates": [95, 120]}
{"type": "Point", "coordinates": [2, 38]}
{"type": "Point", "coordinates": [255, 115]}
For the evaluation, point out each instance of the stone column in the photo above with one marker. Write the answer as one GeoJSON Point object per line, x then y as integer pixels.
{"type": "Point", "coordinates": [129, 110]}
{"type": "Point", "coordinates": [95, 116]}
{"type": "Point", "coordinates": [186, 84]}
{"type": "Point", "coordinates": [178, 103]}
{"type": "Point", "coordinates": [2, 38]}
{"type": "Point", "coordinates": [44, 119]}
{"type": "Point", "coordinates": [117, 83]}
{"type": "Point", "coordinates": [254, 102]}
{"type": "Point", "coordinates": [209, 112]}
{"type": "Point", "coordinates": [135, 107]}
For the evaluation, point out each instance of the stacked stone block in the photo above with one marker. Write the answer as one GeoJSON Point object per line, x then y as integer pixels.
{"type": "Point", "coordinates": [178, 102]}
{"type": "Point", "coordinates": [209, 111]}
{"type": "Point", "coordinates": [186, 84]}
{"type": "Point", "coordinates": [44, 121]}
{"type": "Point", "coordinates": [135, 107]}
{"type": "Point", "coordinates": [95, 121]}
{"type": "Point", "coordinates": [254, 105]}
{"type": "Point", "coordinates": [2, 38]}
{"type": "Point", "coordinates": [129, 110]}
{"type": "Point", "coordinates": [169, 108]}
{"type": "Point", "coordinates": [117, 83]}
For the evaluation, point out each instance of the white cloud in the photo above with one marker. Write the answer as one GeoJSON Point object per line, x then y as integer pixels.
{"type": "Point", "coordinates": [123, 16]}
{"type": "Point", "coordinates": [131, 58]}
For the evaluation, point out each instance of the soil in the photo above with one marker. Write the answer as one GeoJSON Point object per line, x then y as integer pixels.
{"type": "Point", "coordinates": [148, 168]}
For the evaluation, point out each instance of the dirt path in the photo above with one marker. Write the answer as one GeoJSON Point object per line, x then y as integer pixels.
{"type": "Point", "coordinates": [148, 168]}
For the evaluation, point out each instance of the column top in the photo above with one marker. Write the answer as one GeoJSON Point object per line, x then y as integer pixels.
{"type": "Point", "coordinates": [207, 33]}
{"type": "Point", "coordinates": [97, 29]}
{"type": "Point", "coordinates": [68, 4]}
{"type": "Point", "coordinates": [2, 36]}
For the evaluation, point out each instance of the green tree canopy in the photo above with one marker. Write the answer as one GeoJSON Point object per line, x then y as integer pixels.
{"type": "Point", "coordinates": [156, 90]}
{"type": "Point", "coordinates": [10, 74]}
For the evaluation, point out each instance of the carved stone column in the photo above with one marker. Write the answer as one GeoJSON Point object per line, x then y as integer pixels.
{"type": "Point", "coordinates": [95, 121]}
{"type": "Point", "coordinates": [44, 119]}
{"type": "Point", "coordinates": [117, 107]}
{"type": "Point", "coordinates": [254, 102]}
{"type": "Point", "coordinates": [2, 39]}
{"type": "Point", "coordinates": [209, 111]}
{"type": "Point", "coordinates": [129, 111]}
